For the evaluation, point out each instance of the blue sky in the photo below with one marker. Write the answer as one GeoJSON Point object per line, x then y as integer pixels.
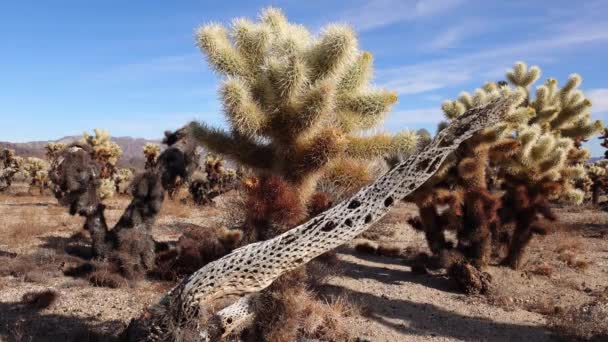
{"type": "Point", "coordinates": [132, 66]}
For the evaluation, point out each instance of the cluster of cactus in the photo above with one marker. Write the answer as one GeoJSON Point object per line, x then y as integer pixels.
{"type": "Point", "coordinates": [53, 150]}
{"type": "Point", "coordinates": [10, 165]}
{"type": "Point", "coordinates": [595, 183]}
{"type": "Point", "coordinates": [36, 170]}
{"type": "Point", "coordinates": [531, 156]}
{"type": "Point", "coordinates": [211, 179]}
{"type": "Point", "coordinates": [295, 102]}
{"type": "Point", "coordinates": [128, 246]}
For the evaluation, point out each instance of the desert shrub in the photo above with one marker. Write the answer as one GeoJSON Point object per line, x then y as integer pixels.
{"type": "Point", "coordinates": [532, 157]}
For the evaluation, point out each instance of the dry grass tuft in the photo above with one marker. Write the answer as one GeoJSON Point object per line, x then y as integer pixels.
{"type": "Point", "coordinates": [287, 311]}
{"type": "Point", "coordinates": [572, 261]}
{"type": "Point", "coordinates": [107, 276]}
{"type": "Point", "coordinates": [28, 225]}
{"type": "Point", "coordinates": [40, 300]}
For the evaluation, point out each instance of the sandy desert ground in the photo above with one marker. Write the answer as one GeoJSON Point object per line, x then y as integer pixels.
{"type": "Point", "coordinates": [565, 269]}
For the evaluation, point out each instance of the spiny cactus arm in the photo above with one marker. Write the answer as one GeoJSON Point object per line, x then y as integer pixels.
{"type": "Point", "coordinates": [254, 267]}
{"type": "Point", "coordinates": [365, 110]}
{"type": "Point", "coordinates": [243, 113]}
{"type": "Point", "coordinates": [402, 143]}
{"type": "Point", "coordinates": [233, 146]}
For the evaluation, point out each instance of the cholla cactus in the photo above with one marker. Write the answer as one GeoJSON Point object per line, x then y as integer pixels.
{"type": "Point", "coordinates": [294, 101]}
{"type": "Point", "coordinates": [533, 155]}
{"type": "Point", "coordinates": [596, 180]}
{"type": "Point", "coordinates": [122, 178]}
{"type": "Point", "coordinates": [52, 150]}
{"type": "Point", "coordinates": [37, 172]}
{"type": "Point", "coordinates": [212, 180]}
{"type": "Point", "coordinates": [105, 152]}
{"type": "Point", "coordinates": [151, 152]}
{"type": "Point", "coordinates": [106, 189]}
{"type": "Point", "coordinates": [9, 166]}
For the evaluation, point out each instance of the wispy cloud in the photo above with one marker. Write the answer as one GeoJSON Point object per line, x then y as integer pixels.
{"type": "Point", "coordinates": [418, 79]}
{"type": "Point", "coordinates": [441, 73]}
{"type": "Point", "coordinates": [599, 99]}
{"type": "Point", "coordinates": [455, 34]}
{"type": "Point", "coordinates": [379, 13]}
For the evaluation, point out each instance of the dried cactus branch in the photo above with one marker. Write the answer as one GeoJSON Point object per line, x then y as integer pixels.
{"type": "Point", "coordinates": [255, 266]}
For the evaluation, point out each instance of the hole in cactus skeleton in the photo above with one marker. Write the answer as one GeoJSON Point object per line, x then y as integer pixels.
{"type": "Point", "coordinates": [388, 201]}
{"type": "Point", "coordinates": [329, 226]}
{"type": "Point", "coordinates": [354, 204]}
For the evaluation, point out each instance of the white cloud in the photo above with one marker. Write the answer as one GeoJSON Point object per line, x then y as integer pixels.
{"type": "Point", "coordinates": [447, 39]}
{"type": "Point", "coordinates": [442, 73]}
{"type": "Point", "coordinates": [379, 13]}
{"type": "Point", "coordinates": [416, 80]}
{"type": "Point", "coordinates": [599, 99]}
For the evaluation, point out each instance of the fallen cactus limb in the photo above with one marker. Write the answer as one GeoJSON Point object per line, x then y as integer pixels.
{"type": "Point", "coordinates": [255, 266]}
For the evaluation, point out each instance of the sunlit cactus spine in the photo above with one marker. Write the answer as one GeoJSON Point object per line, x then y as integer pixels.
{"type": "Point", "coordinates": [151, 153]}
{"type": "Point", "coordinates": [533, 157]}
{"type": "Point", "coordinates": [294, 101]}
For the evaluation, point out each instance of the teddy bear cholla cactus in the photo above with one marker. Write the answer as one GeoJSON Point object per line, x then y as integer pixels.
{"type": "Point", "coordinates": [104, 151]}
{"type": "Point", "coordinates": [52, 150]}
{"type": "Point", "coordinates": [211, 180]}
{"type": "Point", "coordinates": [36, 170]}
{"type": "Point", "coordinates": [531, 153]}
{"type": "Point", "coordinates": [122, 178]}
{"type": "Point", "coordinates": [10, 165]}
{"type": "Point", "coordinates": [151, 152]}
{"type": "Point", "coordinates": [294, 102]}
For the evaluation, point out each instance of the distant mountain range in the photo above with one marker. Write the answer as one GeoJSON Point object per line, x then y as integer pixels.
{"type": "Point", "coordinates": [131, 147]}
